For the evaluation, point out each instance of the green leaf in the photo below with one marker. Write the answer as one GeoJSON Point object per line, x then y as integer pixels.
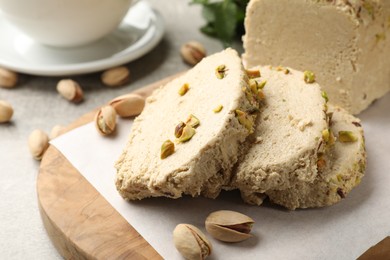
{"type": "Point", "coordinates": [224, 18]}
{"type": "Point", "coordinates": [225, 22]}
{"type": "Point", "coordinates": [208, 30]}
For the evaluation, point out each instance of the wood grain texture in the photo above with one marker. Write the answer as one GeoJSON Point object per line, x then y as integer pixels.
{"type": "Point", "coordinates": [79, 221]}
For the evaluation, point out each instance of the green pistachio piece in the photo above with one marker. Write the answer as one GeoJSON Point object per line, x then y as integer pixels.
{"type": "Point", "coordinates": [167, 148]}
{"type": "Point", "coordinates": [218, 109]}
{"type": "Point", "coordinates": [325, 135]}
{"type": "Point", "coordinates": [187, 134]}
{"type": "Point", "coordinates": [309, 76]}
{"type": "Point", "coordinates": [347, 137]}
{"type": "Point", "coordinates": [220, 71]}
{"type": "Point", "coordinates": [325, 96]}
{"type": "Point", "coordinates": [244, 120]}
{"type": "Point", "coordinates": [179, 129]}
{"type": "Point", "coordinates": [183, 89]}
{"type": "Point", "coordinates": [262, 85]}
{"type": "Point", "coordinates": [192, 121]}
{"type": "Point", "coordinates": [253, 85]}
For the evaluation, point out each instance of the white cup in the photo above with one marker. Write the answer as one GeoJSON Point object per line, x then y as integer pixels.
{"type": "Point", "coordinates": [65, 23]}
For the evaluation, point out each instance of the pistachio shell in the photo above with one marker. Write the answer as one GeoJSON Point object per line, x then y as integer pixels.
{"type": "Point", "coordinates": [128, 105]}
{"type": "Point", "coordinates": [105, 120]}
{"type": "Point", "coordinates": [8, 79]}
{"type": "Point", "coordinates": [191, 242]}
{"type": "Point", "coordinates": [116, 77]}
{"type": "Point", "coordinates": [70, 90]}
{"type": "Point", "coordinates": [192, 52]}
{"type": "Point", "coordinates": [6, 111]}
{"type": "Point", "coordinates": [38, 142]}
{"type": "Point", "coordinates": [229, 226]}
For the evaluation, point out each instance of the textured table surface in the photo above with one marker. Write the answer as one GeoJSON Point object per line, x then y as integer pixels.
{"type": "Point", "coordinates": [37, 104]}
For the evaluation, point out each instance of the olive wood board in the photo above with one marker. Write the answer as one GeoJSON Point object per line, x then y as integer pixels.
{"type": "Point", "coordinates": [79, 221]}
{"type": "Point", "coordinates": [83, 225]}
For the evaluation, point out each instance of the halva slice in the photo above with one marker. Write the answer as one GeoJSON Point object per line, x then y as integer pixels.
{"type": "Point", "coordinates": [345, 42]}
{"type": "Point", "coordinates": [344, 166]}
{"type": "Point", "coordinates": [180, 143]}
{"type": "Point", "coordinates": [288, 138]}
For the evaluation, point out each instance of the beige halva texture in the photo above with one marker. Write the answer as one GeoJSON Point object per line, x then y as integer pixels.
{"type": "Point", "coordinates": [288, 136]}
{"type": "Point", "coordinates": [202, 164]}
{"type": "Point", "coordinates": [345, 166]}
{"type": "Point", "coordinates": [345, 42]}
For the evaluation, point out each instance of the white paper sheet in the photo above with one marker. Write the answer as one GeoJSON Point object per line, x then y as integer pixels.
{"type": "Point", "coordinates": [342, 231]}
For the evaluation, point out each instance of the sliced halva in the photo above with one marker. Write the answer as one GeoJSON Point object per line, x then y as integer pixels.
{"type": "Point", "coordinates": [288, 137]}
{"type": "Point", "coordinates": [213, 93]}
{"type": "Point", "coordinates": [343, 167]}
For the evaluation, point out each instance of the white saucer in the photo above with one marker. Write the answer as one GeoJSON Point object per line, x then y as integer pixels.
{"type": "Point", "coordinates": [140, 31]}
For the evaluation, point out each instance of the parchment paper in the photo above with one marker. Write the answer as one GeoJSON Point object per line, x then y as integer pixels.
{"type": "Point", "coordinates": [342, 231]}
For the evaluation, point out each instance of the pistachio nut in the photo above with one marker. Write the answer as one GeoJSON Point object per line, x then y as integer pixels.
{"type": "Point", "coordinates": [325, 96]}
{"type": "Point", "coordinates": [192, 121]}
{"type": "Point", "coordinates": [192, 52]}
{"type": "Point", "coordinates": [229, 226]}
{"type": "Point", "coordinates": [187, 134]}
{"type": "Point", "coordinates": [244, 120]}
{"type": "Point", "coordinates": [309, 77]}
{"type": "Point", "coordinates": [6, 111]}
{"type": "Point", "coordinates": [325, 135]}
{"type": "Point", "coordinates": [253, 73]}
{"type": "Point", "coordinates": [191, 242]}
{"type": "Point", "coordinates": [262, 85]}
{"type": "Point", "coordinates": [8, 79]}
{"type": "Point", "coordinates": [38, 142]}
{"type": "Point", "coordinates": [347, 137]}
{"type": "Point", "coordinates": [116, 77]}
{"type": "Point", "coordinates": [220, 71]}
{"type": "Point", "coordinates": [56, 131]}
{"type": "Point", "coordinates": [70, 90]}
{"type": "Point", "coordinates": [179, 129]}
{"type": "Point", "coordinates": [183, 89]}
{"type": "Point", "coordinates": [254, 86]}
{"type": "Point", "coordinates": [167, 148]}
{"type": "Point", "coordinates": [218, 109]}
{"type": "Point", "coordinates": [128, 105]}
{"type": "Point", "coordinates": [105, 120]}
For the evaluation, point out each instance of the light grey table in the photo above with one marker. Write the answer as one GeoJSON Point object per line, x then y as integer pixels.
{"type": "Point", "coordinates": [37, 104]}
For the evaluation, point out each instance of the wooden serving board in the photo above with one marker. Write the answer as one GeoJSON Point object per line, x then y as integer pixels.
{"type": "Point", "coordinates": [79, 221]}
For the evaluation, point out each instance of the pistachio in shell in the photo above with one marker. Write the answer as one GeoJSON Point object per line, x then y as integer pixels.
{"type": "Point", "coordinates": [229, 226]}
{"type": "Point", "coordinates": [105, 120]}
{"type": "Point", "coordinates": [128, 105]}
{"type": "Point", "coordinates": [191, 242]}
